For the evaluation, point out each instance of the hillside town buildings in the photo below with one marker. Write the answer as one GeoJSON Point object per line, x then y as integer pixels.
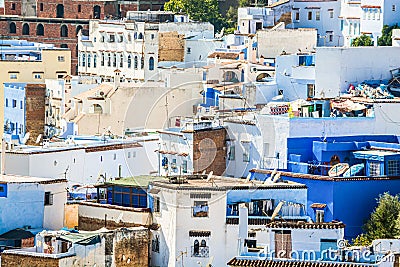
{"type": "Point", "coordinates": [149, 139]}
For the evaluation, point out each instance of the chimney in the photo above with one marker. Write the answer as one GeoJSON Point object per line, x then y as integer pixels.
{"type": "Point", "coordinates": [117, 78]}
{"type": "Point", "coordinates": [241, 55]}
{"type": "Point", "coordinates": [243, 226]}
{"type": "Point", "coordinates": [251, 51]}
{"type": "Point", "coordinates": [262, 60]}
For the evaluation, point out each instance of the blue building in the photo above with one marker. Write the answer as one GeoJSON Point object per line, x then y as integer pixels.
{"type": "Point", "coordinates": [126, 192]}
{"type": "Point", "coordinates": [14, 111]}
{"type": "Point", "coordinates": [350, 199]}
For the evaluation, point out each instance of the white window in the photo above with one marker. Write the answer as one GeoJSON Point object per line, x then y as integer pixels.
{"type": "Point", "coordinates": [115, 156]}
{"type": "Point", "coordinates": [331, 14]}
{"type": "Point", "coordinates": [60, 58]}
{"type": "Point", "coordinates": [246, 151]}
{"type": "Point", "coordinates": [129, 155]}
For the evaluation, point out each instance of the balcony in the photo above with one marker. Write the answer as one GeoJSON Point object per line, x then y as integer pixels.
{"type": "Point", "coordinates": [200, 252]}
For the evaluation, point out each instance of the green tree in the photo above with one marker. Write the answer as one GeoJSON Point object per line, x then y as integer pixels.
{"type": "Point", "coordinates": [198, 10]}
{"type": "Point", "coordinates": [386, 38]}
{"type": "Point", "coordinates": [384, 220]}
{"type": "Point", "coordinates": [363, 40]}
{"type": "Point", "coordinates": [244, 3]}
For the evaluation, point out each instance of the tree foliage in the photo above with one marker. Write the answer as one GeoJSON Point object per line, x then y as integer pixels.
{"type": "Point", "coordinates": [363, 40]}
{"type": "Point", "coordinates": [386, 38]}
{"type": "Point", "coordinates": [384, 221]}
{"type": "Point", "coordinates": [198, 10]}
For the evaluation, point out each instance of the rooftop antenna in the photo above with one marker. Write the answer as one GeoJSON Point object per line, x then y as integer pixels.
{"type": "Point", "coordinates": [181, 254]}
{"type": "Point", "coordinates": [277, 209]}
{"type": "Point", "coordinates": [277, 177]}
{"type": "Point", "coordinates": [38, 139]}
{"type": "Point", "coordinates": [209, 176]}
{"type": "Point", "coordinates": [26, 138]}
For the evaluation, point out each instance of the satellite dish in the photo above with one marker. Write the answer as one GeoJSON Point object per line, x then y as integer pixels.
{"type": "Point", "coordinates": [209, 176]}
{"type": "Point", "coordinates": [26, 137]}
{"type": "Point", "coordinates": [273, 173]}
{"type": "Point", "coordinates": [38, 138]}
{"type": "Point", "coordinates": [278, 97]}
{"type": "Point", "coordinates": [277, 177]}
{"type": "Point", "coordinates": [277, 209]}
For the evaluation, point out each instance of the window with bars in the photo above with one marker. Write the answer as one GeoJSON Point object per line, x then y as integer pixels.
{"type": "Point", "coordinates": [48, 199]}
{"type": "Point", "coordinates": [374, 168]}
{"type": "Point", "coordinates": [393, 167]}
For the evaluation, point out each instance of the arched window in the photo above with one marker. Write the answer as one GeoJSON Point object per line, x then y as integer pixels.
{"type": "Point", "coordinates": [135, 62]}
{"type": "Point", "coordinates": [60, 11]}
{"type": "Point", "coordinates": [121, 60]}
{"type": "Point", "coordinates": [203, 243]}
{"type": "Point", "coordinates": [151, 63]}
{"type": "Point", "coordinates": [64, 31]}
{"type": "Point", "coordinates": [13, 28]}
{"type": "Point", "coordinates": [95, 61]}
{"type": "Point", "coordinates": [96, 12]}
{"type": "Point", "coordinates": [25, 29]}
{"type": "Point", "coordinates": [40, 30]}
{"type": "Point", "coordinates": [129, 62]}
{"type": "Point", "coordinates": [196, 247]}
{"type": "Point", "coordinates": [140, 36]}
{"type": "Point", "coordinates": [78, 28]}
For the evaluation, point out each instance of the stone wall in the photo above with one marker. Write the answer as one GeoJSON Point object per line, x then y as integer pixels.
{"type": "Point", "coordinates": [209, 151]}
{"type": "Point", "coordinates": [17, 260]}
{"type": "Point", "coordinates": [171, 46]}
{"type": "Point", "coordinates": [35, 110]}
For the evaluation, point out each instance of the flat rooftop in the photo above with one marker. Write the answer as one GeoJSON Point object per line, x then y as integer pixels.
{"type": "Point", "coordinates": [15, 179]}
{"type": "Point", "coordinates": [220, 183]}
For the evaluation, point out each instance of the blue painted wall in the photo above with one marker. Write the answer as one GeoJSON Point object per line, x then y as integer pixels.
{"type": "Point", "coordinates": [14, 111]}
{"type": "Point", "coordinates": [347, 201]}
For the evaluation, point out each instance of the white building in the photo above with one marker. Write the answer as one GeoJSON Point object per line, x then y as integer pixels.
{"type": "Point", "coordinates": [199, 217]}
{"type": "Point", "coordinates": [58, 100]}
{"type": "Point", "coordinates": [82, 162]}
{"type": "Point", "coordinates": [322, 15]}
{"type": "Point", "coordinates": [367, 17]}
{"type": "Point", "coordinates": [142, 43]}
{"type": "Point", "coordinates": [337, 68]}
{"type": "Point", "coordinates": [31, 202]}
